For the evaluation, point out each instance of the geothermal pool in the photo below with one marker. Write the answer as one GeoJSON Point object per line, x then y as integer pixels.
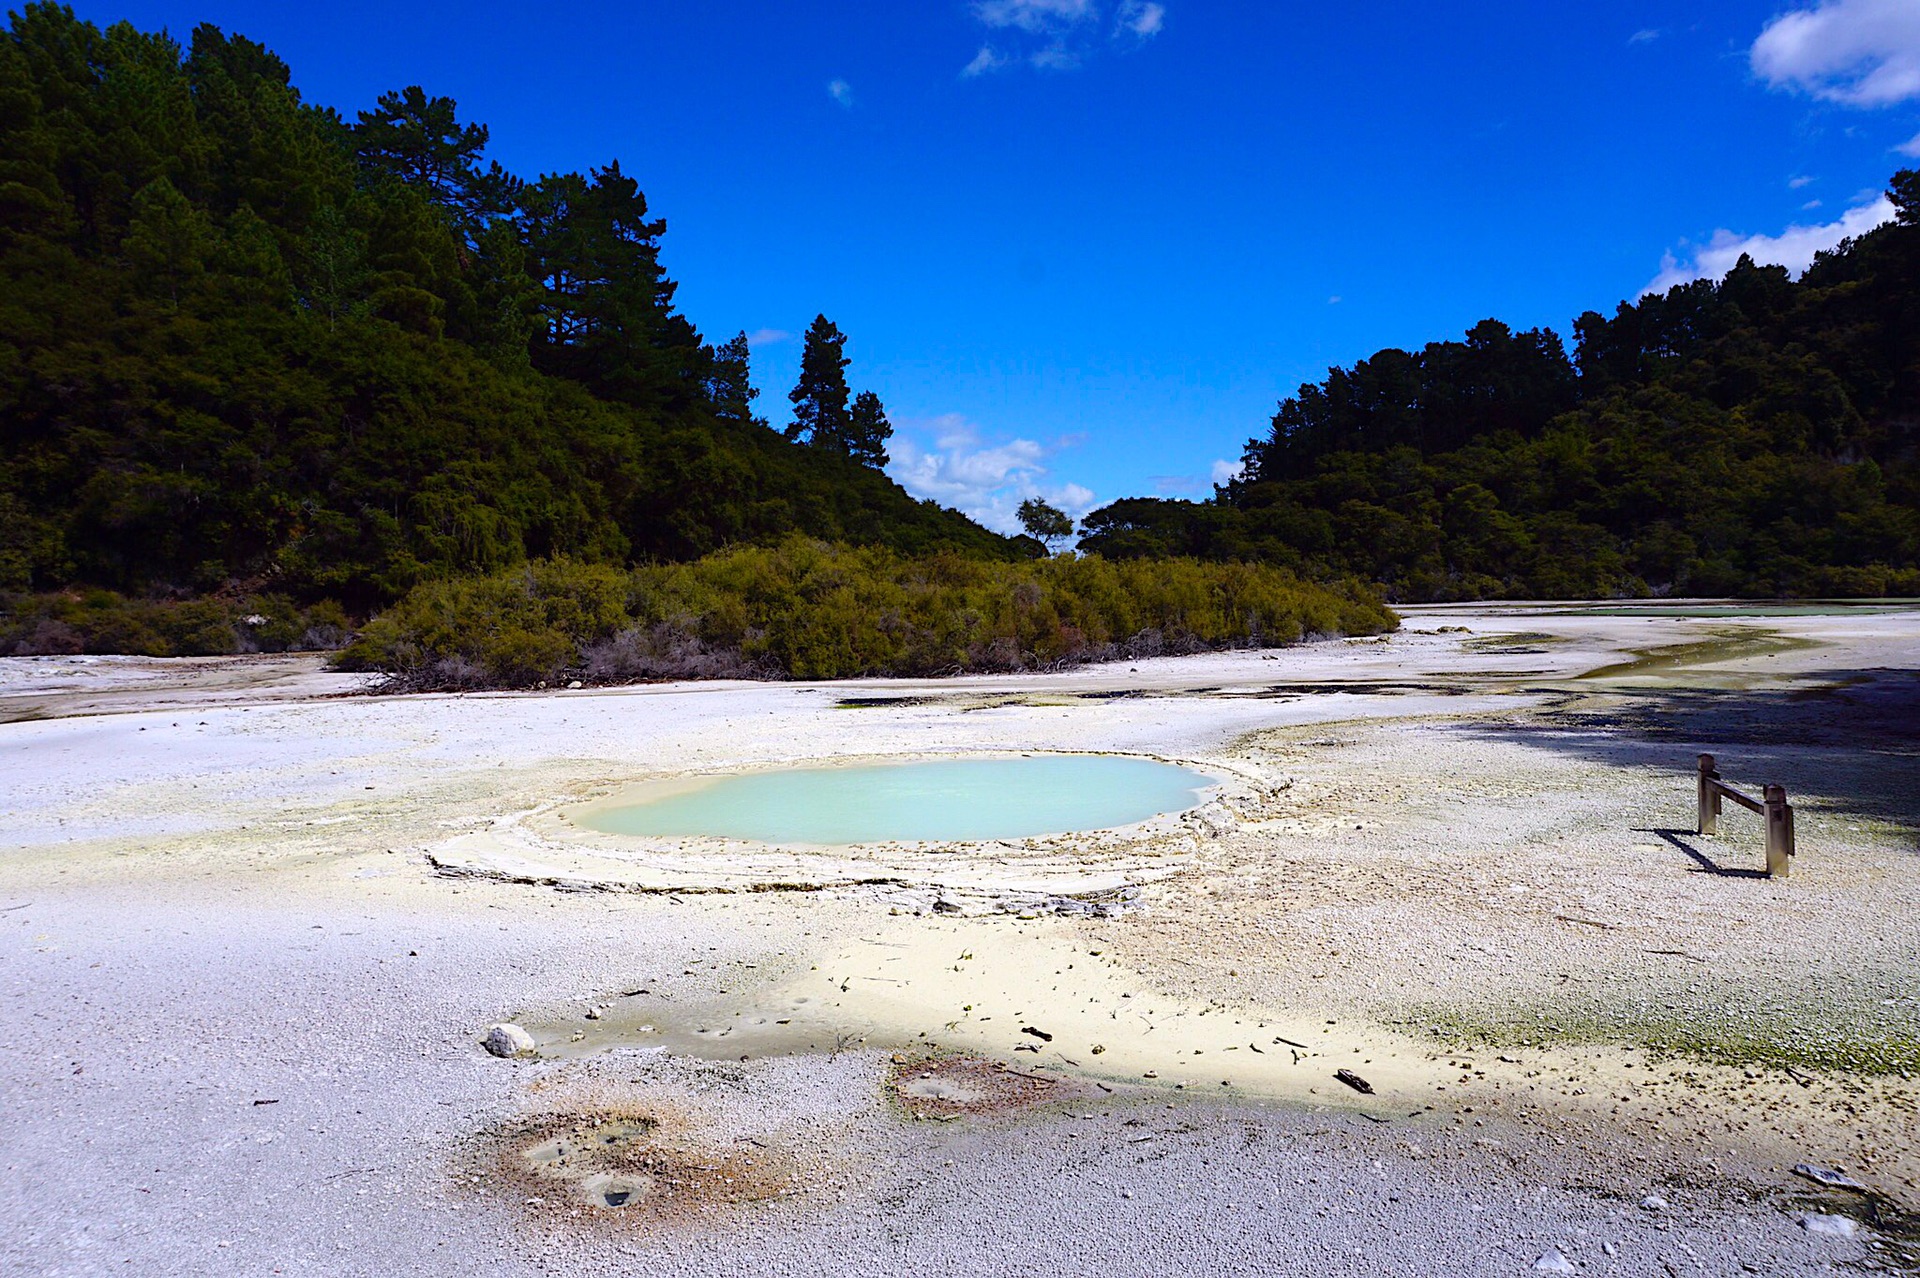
{"type": "Point", "coordinates": [943, 800]}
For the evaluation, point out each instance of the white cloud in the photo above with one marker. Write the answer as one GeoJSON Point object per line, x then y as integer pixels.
{"type": "Point", "coordinates": [1140, 19]}
{"type": "Point", "coordinates": [1794, 248]}
{"type": "Point", "coordinates": [1811, 205]}
{"type": "Point", "coordinates": [1863, 53]}
{"type": "Point", "coordinates": [984, 61]}
{"type": "Point", "coordinates": [1910, 148]}
{"type": "Point", "coordinates": [840, 91]}
{"type": "Point", "coordinates": [1040, 17]}
{"type": "Point", "coordinates": [1056, 55]}
{"type": "Point", "coordinates": [768, 337]}
{"type": "Point", "coordinates": [1225, 471]}
{"type": "Point", "coordinates": [1795, 183]}
{"type": "Point", "coordinates": [1058, 35]}
{"type": "Point", "coordinates": [1646, 35]}
{"type": "Point", "coordinates": [947, 459]}
{"type": "Point", "coordinates": [1335, 300]}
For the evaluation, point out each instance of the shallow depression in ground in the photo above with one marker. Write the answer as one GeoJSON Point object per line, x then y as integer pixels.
{"type": "Point", "coordinates": [927, 800]}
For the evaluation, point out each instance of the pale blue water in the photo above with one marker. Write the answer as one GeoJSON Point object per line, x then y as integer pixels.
{"type": "Point", "coordinates": [948, 799]}
{"type": "Point", "coordinates": [1784, 608]}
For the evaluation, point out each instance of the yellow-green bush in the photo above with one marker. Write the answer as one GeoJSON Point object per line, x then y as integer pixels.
{"type": "Point", "coordinates": [804, 609]}
{"type": "Point", "coordinates": [103, 621]}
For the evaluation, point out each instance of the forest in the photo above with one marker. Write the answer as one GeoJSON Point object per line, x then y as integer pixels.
{"type": "Point", "coordinates": [248, 345]}
{"type": "Point", "coordinates": [1753, 436]}
{"type": "Point", "coordinates": [271, 376]}
{"type": "Point", "coordinates": [267, 372]}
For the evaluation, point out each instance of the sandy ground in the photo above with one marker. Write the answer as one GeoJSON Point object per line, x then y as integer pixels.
{"type": "Point", "coordinates": [253, 927]}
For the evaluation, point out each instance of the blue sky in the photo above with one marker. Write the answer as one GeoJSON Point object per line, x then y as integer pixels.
{"type": "Point", "coordinates": [1081, 247]}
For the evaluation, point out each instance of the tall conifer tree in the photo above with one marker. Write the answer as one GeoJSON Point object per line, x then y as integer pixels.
{"type": "Point", "coordinates": [868, 431]}
{"type": "Point", "coordinates": [820, 415]}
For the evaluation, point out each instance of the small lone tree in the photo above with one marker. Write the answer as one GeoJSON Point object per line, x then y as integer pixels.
{"type": "Point", "coordinates": [1048, 524]}
{"type": "Point", "coordinates": [868, 431]}
{"type": "Point", "coordinates": [729, 384]}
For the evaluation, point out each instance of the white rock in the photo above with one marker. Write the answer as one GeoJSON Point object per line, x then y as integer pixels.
{"type": "Point", "coordinates": [1832, 1226]}
{"type": "Point", "coordinates": [1654, 1202]}
{"type": "Point", "coordinates": [1553, 1262]}
{"type": "Point", "coordinates": [507, 1039]}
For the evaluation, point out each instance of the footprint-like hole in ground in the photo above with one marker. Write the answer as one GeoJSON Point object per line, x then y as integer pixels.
{"type": "Point", "coordinates": [951, 1086]}
{"type": "Point", "coordinates": [620, 1162]}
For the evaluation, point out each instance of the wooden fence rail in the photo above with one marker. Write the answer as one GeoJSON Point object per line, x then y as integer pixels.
{"type": "Point", "coordinates": [1772, 806]}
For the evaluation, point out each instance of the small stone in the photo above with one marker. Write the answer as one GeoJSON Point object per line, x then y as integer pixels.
{"type": "Point", "coordinates": [507, 1040]}
{"type": "Point", "coordinates": [1553, 1262]}
{"type": "Point", "coordinates": [574, 684]}
{"type": "Point", "coordinates": [1829, 1177]}
{"type": "Point", "coordinates": [946, 905]}
{"type": "Point", "coordinates": [593, 1013]}
{"type": "Point", "coordinates": [1654, 1202]}
{"type": "Point", "coordinates": [1831, 1226]}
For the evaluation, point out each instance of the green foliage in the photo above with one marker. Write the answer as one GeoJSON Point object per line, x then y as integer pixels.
{"type": "Point", "coordinates": [868, 430]}
{"type": "Point", "coordinates": [101, 621]}
{"type": "Point", "coordinates": [245, 347]}
{"type": "Point", "coordinates": [820, 396]}
{"type": "Point", "coordinates": [805, 609]}
{"type": "Point", "coordinates": [1044, 523]}
{"type": "Point", "coordinates": [1756, 436]}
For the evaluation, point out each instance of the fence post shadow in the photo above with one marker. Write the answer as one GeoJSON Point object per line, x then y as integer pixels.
{"type": "Point", "coordinates": [1702, 862]}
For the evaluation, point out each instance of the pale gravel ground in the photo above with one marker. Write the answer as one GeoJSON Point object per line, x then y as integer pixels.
{"type": "Point", "coordinates": [219, 910]}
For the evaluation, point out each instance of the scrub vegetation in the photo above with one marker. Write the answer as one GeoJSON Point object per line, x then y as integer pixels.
{"type": "Point", "coordinates": [804, 609]}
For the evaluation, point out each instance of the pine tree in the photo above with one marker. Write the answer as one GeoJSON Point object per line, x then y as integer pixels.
{"type": "Point", "coordinates": [820, 414]}
{"type": "Point", "coordinates": [419, 140]}
{"type": "Point", "coordinates": [167, 240]}
{"type": "Point", "coordinates": [729, 385]}
{"type": "Point", "coordinates": [868, 431]}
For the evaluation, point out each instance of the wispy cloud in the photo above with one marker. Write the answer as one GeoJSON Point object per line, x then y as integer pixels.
{"type": "Point", "coordinates": [1140, 19]}
{"type": "Point", "coordinates": [1037, 17]}
{"type": "Point", "coordinates": [1863, 53]}
{"type": "Point", "coordinates": [768, 337]}
{"type": "Point", "coordinates": [984, 61]}
{"type": "Point", "coordinates": [842, 92]}
{"type": "Point", "coordinates": [1174, 485]}
{"type": "Point", "coordinates": [1225, 471]}
{"type": "Point", "coordinates": [1795, 183]}
{"type": "Point", "coordinates": [949, 460]}
{"type": "Point", "coordinates": [1794, 248]}
{"type": "Point", "coordinates": [1645, 35]}
{"type": "Point", "coordinates": [1910, 148]}
{"type": "Point", "coordinates": [1058, 35]}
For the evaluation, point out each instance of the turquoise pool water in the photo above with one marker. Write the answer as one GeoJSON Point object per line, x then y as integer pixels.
{"type": "Point", "coordinates": [937, 800]}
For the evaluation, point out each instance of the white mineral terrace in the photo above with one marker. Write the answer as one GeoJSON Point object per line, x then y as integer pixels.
{"type": "Point", "coordinates": [1433, 976]}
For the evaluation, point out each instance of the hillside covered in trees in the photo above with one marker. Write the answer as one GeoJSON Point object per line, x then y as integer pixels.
{"type": "Point", "coordinates": [249, 347]}
{"type": "Point", "coordinates": [1752, 436]}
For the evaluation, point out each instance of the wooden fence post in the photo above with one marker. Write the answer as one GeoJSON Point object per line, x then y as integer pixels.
{"type": "Point", "coordinates": [1709, 797]}
{"type": "Point", "coordinates": [1779, 816]}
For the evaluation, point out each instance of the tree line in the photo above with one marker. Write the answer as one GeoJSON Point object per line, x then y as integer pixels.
{"type": "Point", "coordinates": [1754, 435]}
